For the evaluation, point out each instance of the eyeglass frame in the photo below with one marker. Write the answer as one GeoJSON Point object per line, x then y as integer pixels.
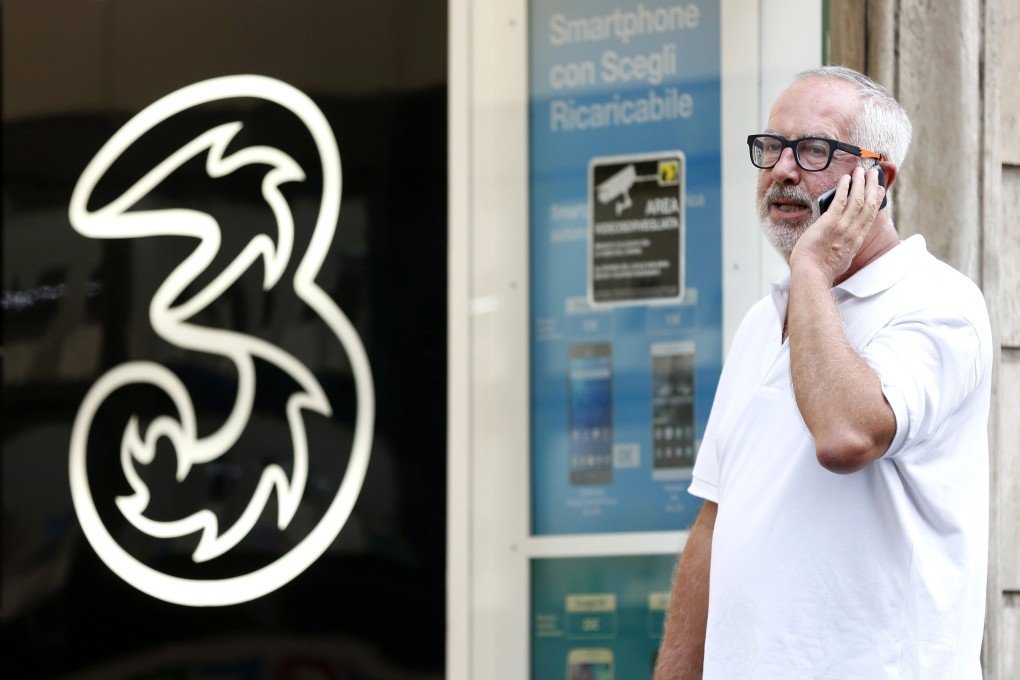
{"type": "Point", "coordinates": [833, 144]}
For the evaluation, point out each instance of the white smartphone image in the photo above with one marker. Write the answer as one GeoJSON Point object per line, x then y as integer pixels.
{"type": "Point", "coordinates": [673, 443]}
{"type": "Point", "coordinates": [590, 663]}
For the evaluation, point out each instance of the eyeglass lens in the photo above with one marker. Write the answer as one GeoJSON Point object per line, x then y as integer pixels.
{"type": "Point", "coordinates": [811, 154]}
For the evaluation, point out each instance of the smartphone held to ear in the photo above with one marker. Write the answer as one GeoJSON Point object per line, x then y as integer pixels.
{"type": "Point", "coordinates": [825, 200]}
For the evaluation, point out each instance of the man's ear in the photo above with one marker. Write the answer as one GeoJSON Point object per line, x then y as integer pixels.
{"type": "Point", "coordinates": [890, 170]}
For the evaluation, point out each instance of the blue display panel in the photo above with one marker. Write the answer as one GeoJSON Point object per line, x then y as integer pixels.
{"type": "Point", "coordinates": [626, 259]}
{"type": "Point", "coordinates": [598, 618]}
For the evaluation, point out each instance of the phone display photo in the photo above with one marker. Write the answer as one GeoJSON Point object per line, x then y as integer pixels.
{"type": "Point", "coordinates": [825, 200]}
{"type": "Point", "coordinates": [590, 663]}
{"type": "Point", "coordinates": [590, 377]}
{"type": "Point", "coordinates": [673, 443]}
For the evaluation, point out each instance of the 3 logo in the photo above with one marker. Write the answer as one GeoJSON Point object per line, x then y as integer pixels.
{"type": "Point", "coordinates": [173, 320]}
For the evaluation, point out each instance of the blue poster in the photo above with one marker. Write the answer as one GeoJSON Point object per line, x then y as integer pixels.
{"type": "Point", "coordinates": [626, 259]}
{"type": "Point", "coordinates": [598, 618]}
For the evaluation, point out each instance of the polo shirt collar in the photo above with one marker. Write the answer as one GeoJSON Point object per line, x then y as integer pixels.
{"type": "Point", "coordinates": [878, 276]}
{"type": "Point", "coordinates": [887, 270]}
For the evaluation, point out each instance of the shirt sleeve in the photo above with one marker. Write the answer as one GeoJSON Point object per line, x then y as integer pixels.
{"type": "Point", "coordinates": [705, 478]}
{"type": "Point", "coordinates": [704, 482]}
{"type": "Point", "coordinates": [927, 368]}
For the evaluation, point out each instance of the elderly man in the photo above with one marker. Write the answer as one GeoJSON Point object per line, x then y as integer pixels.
{"type": "Point", "coordinates": [845, 463]}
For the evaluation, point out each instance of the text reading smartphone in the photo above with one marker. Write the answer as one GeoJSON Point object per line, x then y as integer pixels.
{"type": "Point", "coordinates": [590, 376]}
{"type": "Point", "coordinates": [673, 448]}
{"type": "Point", "coordinates": [825, 200]}
{"type": "Point", "coordinates": [590, 663]}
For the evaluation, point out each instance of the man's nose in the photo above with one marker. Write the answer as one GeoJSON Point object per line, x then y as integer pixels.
{"type": "Point", "coordinates": [786, 170]}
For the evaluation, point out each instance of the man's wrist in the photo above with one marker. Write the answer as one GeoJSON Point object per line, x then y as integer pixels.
{"type": "Point", "coordinates": [808, 269]}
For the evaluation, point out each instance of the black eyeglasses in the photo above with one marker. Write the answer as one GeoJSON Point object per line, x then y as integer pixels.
{"type": "Point", "coordinates": [811, 153]}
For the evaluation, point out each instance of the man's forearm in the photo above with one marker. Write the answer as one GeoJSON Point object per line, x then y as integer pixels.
{"type": "Point", "coordinates": [839, 395]}
{"type": "Point", "coordinates": [682, 652]}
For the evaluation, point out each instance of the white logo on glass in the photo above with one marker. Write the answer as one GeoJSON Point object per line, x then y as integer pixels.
{"type": "Point", "coordinates": [170, 321]}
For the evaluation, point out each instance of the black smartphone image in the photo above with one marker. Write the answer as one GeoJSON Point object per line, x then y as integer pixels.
{"type": "Point", "coordinates": [590, 377]}
{"type": "Point", "coordinates": [825, 200]}
{"type": "Point", "coordinates": [673, 446]}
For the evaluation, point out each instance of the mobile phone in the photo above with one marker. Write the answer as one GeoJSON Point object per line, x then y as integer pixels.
{"type": "Point", "coordinates": [590, 663]}
{"type": "Point", "coordinates": [673, 446]}
{"type": "Point", "coordinates": [825, 200]}
{"type": "Point", "coordinates": [590, 379]}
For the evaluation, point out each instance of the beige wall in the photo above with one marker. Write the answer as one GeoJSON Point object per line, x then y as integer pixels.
{"type": "Point", "coordinates": [956, 68]}
{"type": "Point", "coordinates": [1008, 245]}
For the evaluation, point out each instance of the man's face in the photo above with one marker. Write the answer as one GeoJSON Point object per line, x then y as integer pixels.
{"type": "Point", "coordinates": [787, 194]}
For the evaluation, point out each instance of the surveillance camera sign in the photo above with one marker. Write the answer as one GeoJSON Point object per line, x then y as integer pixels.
{"type": "Point", "coordinates": [636, 238]}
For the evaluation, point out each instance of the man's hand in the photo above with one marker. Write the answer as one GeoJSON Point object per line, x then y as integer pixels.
{"type": "Point", "coordinates": [830, 244]}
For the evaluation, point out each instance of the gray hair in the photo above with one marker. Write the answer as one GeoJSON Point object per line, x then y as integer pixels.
{"type": "Point", "coordinates": [882, 125]}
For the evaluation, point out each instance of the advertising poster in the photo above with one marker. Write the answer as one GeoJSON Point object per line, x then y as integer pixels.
{"type": "Point", "coordinates": [598, 618]}
{"type": "Point", "coordinates": [626, 259]}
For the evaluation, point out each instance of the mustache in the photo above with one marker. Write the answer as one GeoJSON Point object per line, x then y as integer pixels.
{"type": "Point", "coordinates": [779, 192]}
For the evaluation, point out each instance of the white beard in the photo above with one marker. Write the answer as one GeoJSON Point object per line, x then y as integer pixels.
{"type": "Point", "coordinates": [784, 234]}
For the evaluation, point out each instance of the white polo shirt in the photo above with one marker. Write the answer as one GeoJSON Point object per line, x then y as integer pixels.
{"type": "Point", "coordinates": [876, 574]}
